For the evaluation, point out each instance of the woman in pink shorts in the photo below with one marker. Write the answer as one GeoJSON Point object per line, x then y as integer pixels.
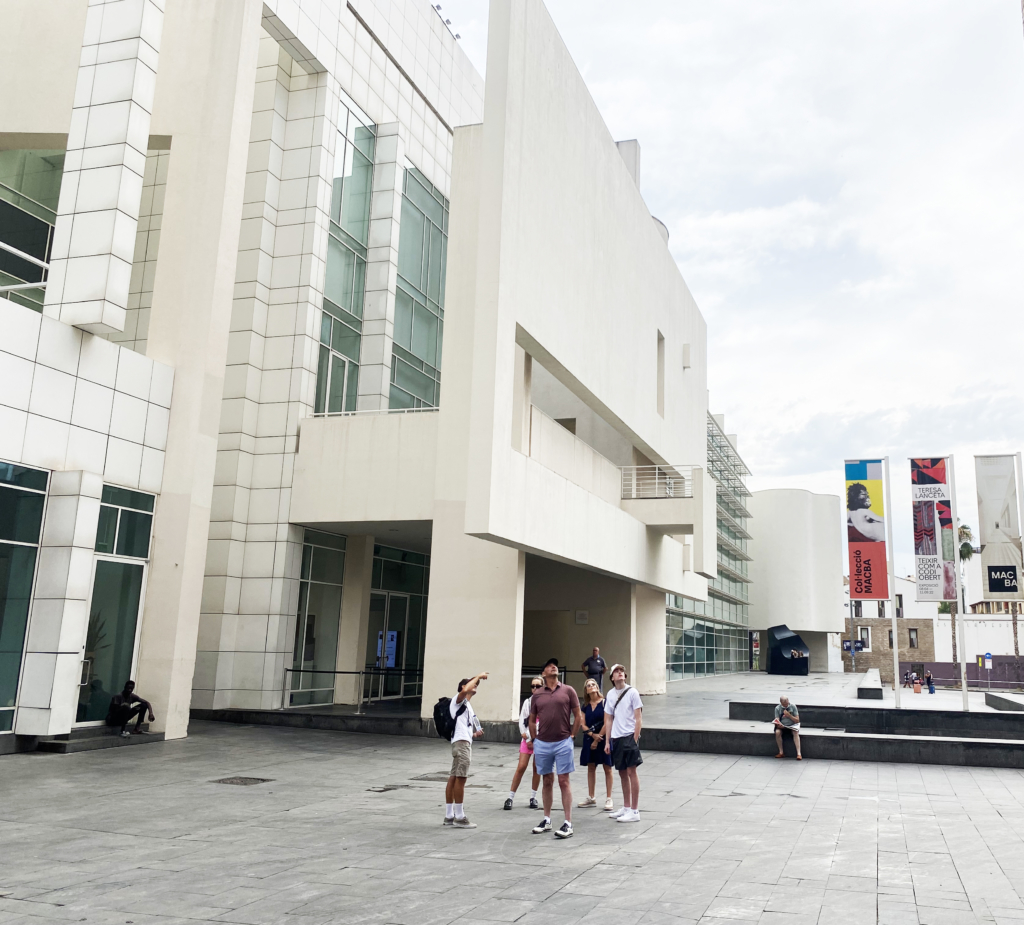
{"type": "Point", "coordinates": [525, 751]}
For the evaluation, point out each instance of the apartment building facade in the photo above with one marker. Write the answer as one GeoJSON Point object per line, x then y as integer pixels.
{"type": "Point", "coordinates": [318, 381]}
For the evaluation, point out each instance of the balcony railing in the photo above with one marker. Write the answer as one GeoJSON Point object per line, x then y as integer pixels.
{"type": "Point", "coordinates": [657, 482]}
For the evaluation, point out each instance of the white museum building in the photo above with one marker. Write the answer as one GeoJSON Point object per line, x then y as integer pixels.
{"type": "Point", "coordinates": [328, 371]}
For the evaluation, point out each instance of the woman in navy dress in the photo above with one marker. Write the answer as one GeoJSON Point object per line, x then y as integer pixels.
{"type": "Point", "coordinates": [592, 754]}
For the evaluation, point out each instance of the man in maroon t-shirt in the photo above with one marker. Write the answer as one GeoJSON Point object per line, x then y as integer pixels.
{"type": "Point", "coordinates": [554, 721]}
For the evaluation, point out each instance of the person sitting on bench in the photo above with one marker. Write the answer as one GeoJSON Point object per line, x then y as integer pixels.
{"type": "Point", "coordinates": [124, 706]}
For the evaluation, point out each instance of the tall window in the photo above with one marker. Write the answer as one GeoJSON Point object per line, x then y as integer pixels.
{"type": "Point", "coordinates": [899, 606]}
{"type": "Point", "coordinates": [858, 609]}
{"type": "Point", "coordinates": [22, 496]}
{"type": "Point", "coordinates": [419, 299]}
{"type": "Point", "coordinates": [913, 639]}
{"type": "Point", "coordinates": [865, 637]}
{"type": "Point", "coordinates": [341, 323]}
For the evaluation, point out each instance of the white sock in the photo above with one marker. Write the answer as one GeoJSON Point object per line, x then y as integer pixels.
{"type": "Point", "coordinates": [460, 813]}
{"type": "Point", "coordinates": [511, 794]}
{"type": "Point", "coordinates": [449, 810]}
{"type": "Point", "coordinates": [533, 794]}
{"type": "Point", "coordinates": [547, 818]}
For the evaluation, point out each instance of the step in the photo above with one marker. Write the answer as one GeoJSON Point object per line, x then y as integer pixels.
{"type": "Point", "coordinates": [90, 738]}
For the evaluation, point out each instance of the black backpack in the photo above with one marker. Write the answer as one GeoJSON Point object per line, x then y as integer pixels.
{"type": "Point", "coordinates": [444, 722]}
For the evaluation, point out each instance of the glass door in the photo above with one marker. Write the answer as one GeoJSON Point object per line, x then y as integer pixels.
{"type": "Point", "coordinates": [110, 641]}
{"type": "Point", "coordinates": [385, 645]}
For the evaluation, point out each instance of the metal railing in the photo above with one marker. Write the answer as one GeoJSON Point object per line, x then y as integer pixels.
{"type": "Point", "coordinates": [657, 482]}
{"type": "Point", "coordinates": [374, 684]}
{"type": "Point", "coordinates": [340, 414]}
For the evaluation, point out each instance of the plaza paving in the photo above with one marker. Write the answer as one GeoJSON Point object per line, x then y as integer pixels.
{"type": "Point", "coordinates": [348, 831]}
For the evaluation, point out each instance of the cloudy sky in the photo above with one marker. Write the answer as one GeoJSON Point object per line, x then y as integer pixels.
{"type": "Point", "coordinates": [844, 190]}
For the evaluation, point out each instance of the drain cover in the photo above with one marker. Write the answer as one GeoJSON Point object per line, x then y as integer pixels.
{"type": "Point", "coordinates": [243, 781]}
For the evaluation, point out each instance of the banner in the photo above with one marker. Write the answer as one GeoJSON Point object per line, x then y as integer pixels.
{"type": "Point", "coordinates": [934, 564]}
{"type": "Point", "coordinates": [998, 528]}
{"type": "Point", "coordinates": [865, 530]}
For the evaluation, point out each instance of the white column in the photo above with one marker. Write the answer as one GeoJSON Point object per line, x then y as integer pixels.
{"type": "Point", "coordinates": [98, 210]}
{"type": "Point", "coordinates": [648, 674]}
{"type": "Point", "coordinates": [381, 271]}
{"type": "Point", "coordinates": [60, 609]}
{"type": "Point", "coordinates": [355, 616]}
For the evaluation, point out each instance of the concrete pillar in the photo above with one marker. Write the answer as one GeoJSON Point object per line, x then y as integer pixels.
{"type": "Point", "coordinates": [60, 611]}
{"type": "Point", "coordinates": [355, 616]}
{"type": "Point", "coordinates": [211, 80]}
{"type": "Point", "coordinates": [522, 401]}
{"type": "Point", "coordinates": [98, 210]}
{"type": "Point", "coordinates": [648, 672]}
{"type": "Point", "coordinates": [474, 616]}
{"type": "Point", "coordinates": [381, 271]}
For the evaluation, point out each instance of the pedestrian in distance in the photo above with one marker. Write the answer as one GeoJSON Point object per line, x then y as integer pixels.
{"type": "Point", "coordinates": [623, 719]}
{"type": "Point", "coordinates": [554, 721]}
{"type": "Point", "coordinates": [592, 754]}
{"type": "Point", "coordinates": [594, 668]}
{"type": "Point", "coordinates": [929, 680]}
{"type": "Point", "coordinates": [526, 751]}
{"type": "Point", "coordinates": [906, 679]}
{"type": "Point", "coordinates": [467, 728]}
{"type": "Point", "coordinates": [787, 717]}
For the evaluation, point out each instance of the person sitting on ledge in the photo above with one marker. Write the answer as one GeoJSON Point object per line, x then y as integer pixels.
{"type": "Point", "coordinates": [124, 706]}
{"type": "Point", "coordinates": [787, 716]}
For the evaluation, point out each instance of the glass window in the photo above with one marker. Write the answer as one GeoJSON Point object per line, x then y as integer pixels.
{"type": "Point", "coordinates": [126, 522]}
{"type": "Point", "coordinates": [913, 639]}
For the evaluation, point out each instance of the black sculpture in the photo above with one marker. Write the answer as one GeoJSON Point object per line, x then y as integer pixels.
{"type": "Point", "coordinates": [787, 652]}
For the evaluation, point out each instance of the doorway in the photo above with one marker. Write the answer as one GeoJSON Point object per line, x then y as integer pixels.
{"type": "Point", "coordinates": [110, 642]}
{"type": "Point", "coordinates": [392, 662]}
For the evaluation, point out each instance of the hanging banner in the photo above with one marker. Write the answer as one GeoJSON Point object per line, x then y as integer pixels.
{"type": "Point", "coordinates": [934, 565]}
{"type": "Point", "coordinates": [998, 528]}
{"type": "Point", "coordinates": [865, 530]}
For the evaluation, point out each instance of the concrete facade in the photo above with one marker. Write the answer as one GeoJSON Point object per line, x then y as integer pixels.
{"type": "Point", "coordinates": [270, 218]}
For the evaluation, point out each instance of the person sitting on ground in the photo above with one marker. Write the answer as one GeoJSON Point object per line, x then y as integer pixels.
{"type": "Point", "coordinates": [124, 706]}
{"type": "Point", "coordinates": [592, 753]}
{"type": "Point", "coordinates": [787, 716]}
{"type": "Point", "coordinates": [526, 751]}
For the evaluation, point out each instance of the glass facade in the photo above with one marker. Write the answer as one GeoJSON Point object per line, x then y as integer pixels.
{"type": "Point", "coordinates": [344, 284]}
{"type": "Point", "coordinates": [398, 620]}
{"type": "Point", "coordinates": [419, 299]}
{"type": "Point", "coordinates": [29, 190]}
{"type": "Point", "coordinates": [22, 499]}
{"type": "Point", "coordinates": [122, 543]}
{"type": "Point", "coordinates": [711, 637]}
{"type": "Point", "coordinates": [318, 619]}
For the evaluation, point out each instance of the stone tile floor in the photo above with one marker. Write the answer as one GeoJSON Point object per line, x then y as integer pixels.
{"type": "Point", "coordinates": [348, 832]}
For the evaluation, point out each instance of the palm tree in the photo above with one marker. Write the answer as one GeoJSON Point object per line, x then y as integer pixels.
{"type": "Point", "coordinates": [966, 538]}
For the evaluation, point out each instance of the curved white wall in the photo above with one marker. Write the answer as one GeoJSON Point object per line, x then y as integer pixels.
{"type": "Point", "coordinates": [797, 567]}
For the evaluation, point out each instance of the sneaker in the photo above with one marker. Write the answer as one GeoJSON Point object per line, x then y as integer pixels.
{"type": "Point", "coordinates": [464, 823]}
{"type": "Point", "coordinates": [608, 805]}
{"type": "Point", "coordinates": [545, 826]}
{"type": "Point", "coordinates": [564, 830]}
{"type": "Point", "coordinates": [630, 815]}
{"type": "Point", "coordinates": [618, 812]}
{"type": "Point", "coordinates": [589, 801]}
{"type": "Point", "coordinates": [533, 803]}
{"type": "Point", "coordinates": [508, 804]}
{"type": "Point", "coordinates": [125, 734]}
{"type": "Point", "coordinates": [449, 820]}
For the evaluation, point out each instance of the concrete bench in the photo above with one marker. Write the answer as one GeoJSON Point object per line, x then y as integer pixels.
{"type": "Point", "coordinates": [870, 688]}
{"type": "Point", "coordinates": [1002, 701]}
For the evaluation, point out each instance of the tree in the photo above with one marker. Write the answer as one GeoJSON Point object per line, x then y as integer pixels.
{"type": "Point", "coordinates": [966, 539]}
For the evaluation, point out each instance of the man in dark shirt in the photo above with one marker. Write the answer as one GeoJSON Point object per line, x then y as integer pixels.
{"type": "Point", "coordinates": [595, 667]}
{"type": "Point", "coordinates": [555, 719]}
{"type": "Point", "coordinates": [124, 706]}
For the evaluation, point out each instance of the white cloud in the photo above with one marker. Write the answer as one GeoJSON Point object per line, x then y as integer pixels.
{"type": "Point", "coordinates": [842, 185]}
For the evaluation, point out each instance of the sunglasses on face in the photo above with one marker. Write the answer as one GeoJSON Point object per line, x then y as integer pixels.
{"type": "Point", "coordinates": [536, 687]}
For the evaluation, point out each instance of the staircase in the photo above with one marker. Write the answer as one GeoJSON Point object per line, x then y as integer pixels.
{"type": "Point", "coordinates": [88, 738]}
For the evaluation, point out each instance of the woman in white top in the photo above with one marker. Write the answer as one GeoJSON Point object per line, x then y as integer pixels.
{"type": "Point", "coordinates": [525, 751]}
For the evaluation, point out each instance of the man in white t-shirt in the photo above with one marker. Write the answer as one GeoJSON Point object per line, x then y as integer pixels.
{"type": "Point", "coordinates": [467, 728]}
{"type": "Point", "coordinates": [622, 722]}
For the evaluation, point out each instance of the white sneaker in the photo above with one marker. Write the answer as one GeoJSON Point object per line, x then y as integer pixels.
{"type": "Point", "coordinates": [608, 805]}
{"type": "Point", "coordinates": [630, 815]}
{"type": "Point", "coordinates": [618, 812]}
{"type": "Point", "coordinates": [589, 801]}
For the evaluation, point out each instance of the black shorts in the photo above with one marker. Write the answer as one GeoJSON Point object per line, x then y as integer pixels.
{"type": "Point", "coordinates": [626, 753]}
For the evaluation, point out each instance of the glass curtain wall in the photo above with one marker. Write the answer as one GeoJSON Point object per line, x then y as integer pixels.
{"type": "Point", "coordinates": [398, 619]}
{"type": "Point", "coordinates": [419, 298]}
{"type": "Point", "coordinates": [22, 499]}
{"type": "Point", "coordinates": [318, 619]}
{"type": "Point", "coordinates": [29, 190]}
{"type": "Point", "coordinates": [711, 637]}
{"type": "Point", "coordinates": [344, 285]}
{"type": "Point", "coordinates": [122, 546]}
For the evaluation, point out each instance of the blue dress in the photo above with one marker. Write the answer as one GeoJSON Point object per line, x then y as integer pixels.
{"type": "Point", "coordinates": [593, 718]}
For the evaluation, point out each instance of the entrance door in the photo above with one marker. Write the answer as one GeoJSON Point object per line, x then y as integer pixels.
{"type": "Point", "coordinates": [110, 642]}
{"type": "Point", "coordinates": [386, 636]}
